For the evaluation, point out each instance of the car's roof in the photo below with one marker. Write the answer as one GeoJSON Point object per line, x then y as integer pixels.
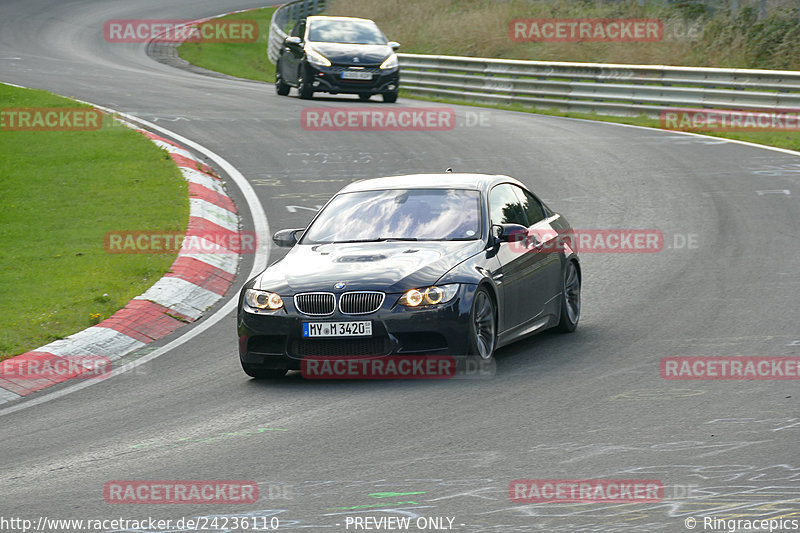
{"type": "Point", "coordinates": [326, 17]}
{"type": "Point", "coordinates": [430, 181]}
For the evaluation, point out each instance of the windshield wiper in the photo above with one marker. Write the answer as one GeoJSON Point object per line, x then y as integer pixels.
{"type": "Point", "coordinates": [380, 239]}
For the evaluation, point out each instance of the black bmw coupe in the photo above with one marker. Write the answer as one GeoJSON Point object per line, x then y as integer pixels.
{"type": "Point", "coordinates": [426, 264]}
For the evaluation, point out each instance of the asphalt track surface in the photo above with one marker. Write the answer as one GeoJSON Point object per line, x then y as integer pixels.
{"type": "Point", "coordinates": [590, 405]}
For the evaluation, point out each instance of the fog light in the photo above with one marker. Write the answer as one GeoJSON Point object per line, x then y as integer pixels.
{"type": "Point", "coordinates": [392, 87]}
{"type": "Point", "coordinates": [316, 83]}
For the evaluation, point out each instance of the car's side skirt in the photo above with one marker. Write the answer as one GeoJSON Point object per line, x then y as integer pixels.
{"type": "Point", "coordinates": [530, 327]}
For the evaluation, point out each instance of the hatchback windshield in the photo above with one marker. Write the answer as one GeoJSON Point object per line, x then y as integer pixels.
{"type": "Point", "coordinates": [346, 31]}
{"type": "Point", "coordinates": [411, 214]}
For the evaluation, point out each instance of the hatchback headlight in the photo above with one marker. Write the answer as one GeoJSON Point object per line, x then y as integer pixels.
{"type": "Point", "coordinates": [437, 294]}
{"type": "Point", "coordinates": [263, 299]}
{"type": "Point", "coordinates": [391, 62]}
{"type": "Point", "coordinates": [317, 59]}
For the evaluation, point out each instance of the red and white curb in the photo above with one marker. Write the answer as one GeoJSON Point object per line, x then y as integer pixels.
{"type": "Point", "coordinates": [194, 282]}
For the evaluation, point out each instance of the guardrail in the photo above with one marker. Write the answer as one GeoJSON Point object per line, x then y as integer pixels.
{"type": "Point", "coordinates": [609, 89]}
{"type": "Point", "coordinates": [284, 18]}
{"type": "Point", "coordinates": [626, 90]}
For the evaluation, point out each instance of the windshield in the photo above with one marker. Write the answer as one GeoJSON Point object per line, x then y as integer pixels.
{"type": "Point", "coordinates": [346, 31]}
{"type": "Point", "coordinates": [410, 214]}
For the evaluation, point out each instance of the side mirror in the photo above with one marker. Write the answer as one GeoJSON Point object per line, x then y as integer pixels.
{"type": "Point", "coordinates": [509, 232]}
{"type": "Point", "coordinates": [394, 45]}
{"type": "Point", "coordinates": [286, 238]}
{"type": "Point", "coordinates": [294, 43]}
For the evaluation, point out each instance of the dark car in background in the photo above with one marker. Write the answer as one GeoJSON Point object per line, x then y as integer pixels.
{"type": "Point", "coordinates": [423, 264]}
{"type": "Point", "coordinates": [338, 55]}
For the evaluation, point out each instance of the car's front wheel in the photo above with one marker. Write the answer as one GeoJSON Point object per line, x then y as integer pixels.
{"type": "Point", "coordinates": [304, 87]}
{"type": "Point", "coordinates": [281, 87]}
{"type": "Point", "coordinates": [483, 325]}
{"type": "Point", "coordinates": [570, 299]}
{"type": "Point", "coordinates": [263, 373]}
{"type": "Point", "coordinates": [390, 98]}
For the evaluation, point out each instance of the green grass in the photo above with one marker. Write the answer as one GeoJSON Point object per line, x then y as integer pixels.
{"type": "Point", "coordinates": [244, 60]}
{"type": "Point", "coordinates": [696, 33]}
{"type": "Point", "coordinates": [61, 192]}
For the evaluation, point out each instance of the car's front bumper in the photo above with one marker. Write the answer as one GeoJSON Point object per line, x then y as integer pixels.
{"type": "Point", "coordinates": [329, 79]}
{"type": "Point", "coordinates": [273, 339]}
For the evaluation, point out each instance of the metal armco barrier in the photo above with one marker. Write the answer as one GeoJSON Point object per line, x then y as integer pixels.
{"type": "Point", "coordinates": [284, 18]}
{"type": "Point", "coordinates": [625, 90]}
{"type": "Point", "coordinates": [609, 89]}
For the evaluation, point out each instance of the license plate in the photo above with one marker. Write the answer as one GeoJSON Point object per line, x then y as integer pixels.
{"type": "Point", "coordinates": [356, 75]}
{"type": "Point", "coordinates": [337, 329]}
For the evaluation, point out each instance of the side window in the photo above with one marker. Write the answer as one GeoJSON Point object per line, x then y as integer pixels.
{"type": "Point", "coordinates": [532, 207]}
{"type": "Point", "coordinates": [505, 207]}
{"type": "Point", "coordinates": [299, 29]}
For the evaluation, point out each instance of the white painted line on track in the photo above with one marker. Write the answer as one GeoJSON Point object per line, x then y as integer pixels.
{"type": "Point", "coordinates": [689, 133]}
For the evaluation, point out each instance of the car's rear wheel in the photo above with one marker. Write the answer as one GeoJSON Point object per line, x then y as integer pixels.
{"type": "Point", "coordinates": [304, 87]}
{"type": "Point", "coordinates": [263, 373]}
{"type": "Point", "coordinates": [364, 97]}
{"type": "Point", "coordinates": [483, 325]}
{"type": "Point", "coordinates": [570, 299]}
{"type": "Point", "coordinates": [390, 98]}
{"type": "Point", "coordinates": [281, 87]}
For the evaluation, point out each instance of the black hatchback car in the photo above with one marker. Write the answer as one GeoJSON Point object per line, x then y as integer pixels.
{"type": "Point", "coordinates": [338, 55]}
{"type": "Point", "coordinates": [427, 264]}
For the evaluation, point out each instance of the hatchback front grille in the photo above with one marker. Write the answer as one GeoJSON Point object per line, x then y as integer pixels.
{"type": "Point", "coordinates": [315, 303]}
{"type": "Point", "coordinates": [341, 68]}
{"type": "Point", "coordinates": [360, 302]}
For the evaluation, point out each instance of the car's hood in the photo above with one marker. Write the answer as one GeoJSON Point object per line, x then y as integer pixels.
{"type": "Point", "coordinates": [393, 267]}
{"type": "Point", "coordinates": [346, 54]}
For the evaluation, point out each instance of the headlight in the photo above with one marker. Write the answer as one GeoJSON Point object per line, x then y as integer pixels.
{"type": "Point", "coordinates": [391, 62]}
{"type": "Point", "coordinates": [317, 59]}
{"type": "Point", "coordinates": [429, 295]}
{"type": "Point", "coordinates": [262, 299]}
